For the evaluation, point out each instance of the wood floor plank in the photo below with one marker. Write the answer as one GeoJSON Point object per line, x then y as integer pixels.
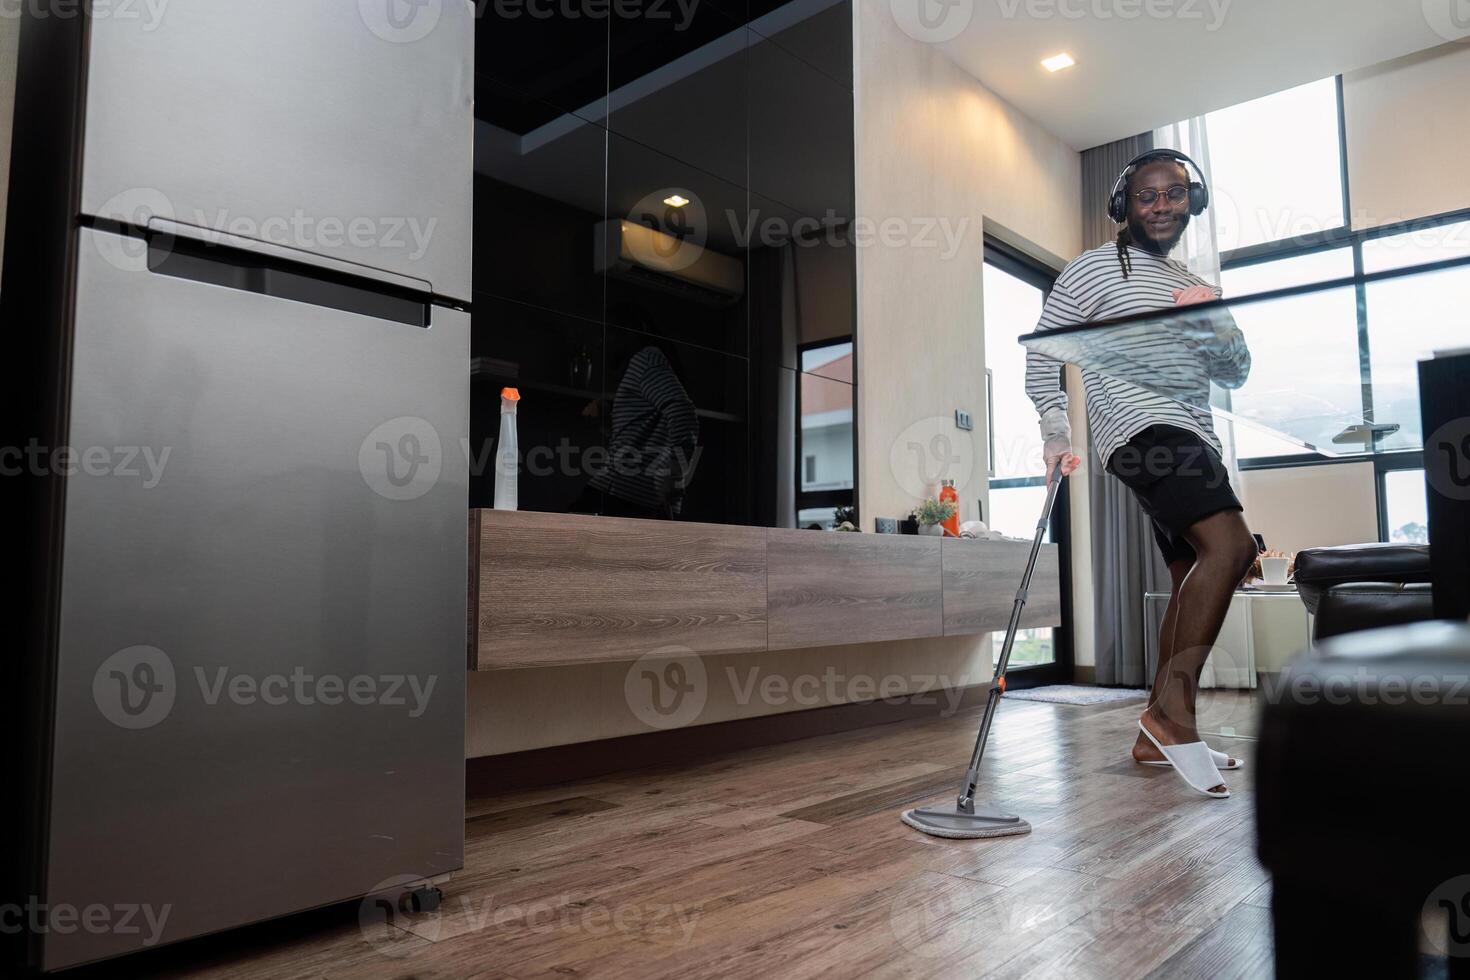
{"type": "Point", "coordinates": [1238, 947]}
{"type": "Point", "coordinates": [502, 821]}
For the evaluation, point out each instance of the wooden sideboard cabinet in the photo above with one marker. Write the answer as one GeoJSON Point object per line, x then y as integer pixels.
{"type": "Point", "coordinates": [547, 589]}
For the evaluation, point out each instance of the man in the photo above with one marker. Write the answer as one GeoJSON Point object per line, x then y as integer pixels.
{"type": "Point", "coordinates": [1164, 449]}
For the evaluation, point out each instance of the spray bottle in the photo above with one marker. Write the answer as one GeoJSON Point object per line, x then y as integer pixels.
{"type": "Point", "coordinates": [507, 453]}
{"type": "Point", "coordinates": [948, 494]}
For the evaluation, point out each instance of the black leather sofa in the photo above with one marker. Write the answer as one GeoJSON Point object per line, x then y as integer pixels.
{"type": "Point", "coordinates": [1363, 586]}
{"type": "Point", "coordinates": [1360, 805]}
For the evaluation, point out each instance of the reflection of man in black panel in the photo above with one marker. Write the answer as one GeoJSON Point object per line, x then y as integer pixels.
{"type": "Point", "coordinates": [651, 449]}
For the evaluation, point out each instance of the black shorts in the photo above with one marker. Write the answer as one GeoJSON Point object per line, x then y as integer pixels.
{"type": "Point", "coordinates": [1178, 479]}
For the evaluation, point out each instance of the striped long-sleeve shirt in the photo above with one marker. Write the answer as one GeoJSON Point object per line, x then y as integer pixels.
{"type": "Point", "coordinates": [1092, 287]}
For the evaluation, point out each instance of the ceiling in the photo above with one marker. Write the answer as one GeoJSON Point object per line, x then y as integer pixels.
{"type": "Point", "coordinates": [1146, 71]}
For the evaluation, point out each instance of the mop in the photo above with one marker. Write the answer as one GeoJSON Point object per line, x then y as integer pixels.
{"type": "Point", "coordinates": [965, 819]}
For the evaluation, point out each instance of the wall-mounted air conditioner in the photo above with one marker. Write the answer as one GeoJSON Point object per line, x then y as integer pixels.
{"type": "Point", "coordinates": [652, 258]}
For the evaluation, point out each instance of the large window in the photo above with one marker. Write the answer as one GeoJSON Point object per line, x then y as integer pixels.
{"type": "Point", "coordinates": [1282, 196]}
{"type": "Point", "coordinates": [1275, 168]}
{"type": "Point", "coordinates": [1409, 319]}
{"type": "Point", "coordinates": [1304, 353]}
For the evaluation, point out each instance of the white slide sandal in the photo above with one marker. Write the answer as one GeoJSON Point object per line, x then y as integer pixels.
{"type": "Point", "coordinates": [1223, 762]}
{"type": "Point", "coordinates": [1193, 763]}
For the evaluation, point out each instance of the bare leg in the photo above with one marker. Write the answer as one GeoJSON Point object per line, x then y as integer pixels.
{"type": "Point", "coordinates": [1143, 749]}
{"type": "Point", "coordinates": [1225, 552]}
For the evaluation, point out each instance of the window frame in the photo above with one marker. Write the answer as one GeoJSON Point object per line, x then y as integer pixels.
{"type": "Point", "coordinates": [823, 499]}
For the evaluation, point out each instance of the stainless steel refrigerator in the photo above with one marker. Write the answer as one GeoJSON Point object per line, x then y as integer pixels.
{"type": "Point", "coordinates": [245, 666]}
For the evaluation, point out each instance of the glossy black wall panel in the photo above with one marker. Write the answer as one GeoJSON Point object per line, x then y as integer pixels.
{"type": "Point", "coordinates": [584, 125]}
{"type": "Point", "coordinates": [822, 39]}
{"type": "Point", "coordinates": [535, 250]}
{"type": "Point", "coordinates": [692, 106]}
{"type": "Point", "coordinates": [556, 57]}
{"type": "Point", "coordinates": [557, 364]}
{"type": "Point", "coordinates": [716, 386]}
{"type": "Point", "coordinates": [705, 234]}
{"type": "Point", "coordinates": [801, 134]}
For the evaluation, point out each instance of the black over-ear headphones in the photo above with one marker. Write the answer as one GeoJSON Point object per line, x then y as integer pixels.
{"type": "Point", "coordinates": [1199, 194]}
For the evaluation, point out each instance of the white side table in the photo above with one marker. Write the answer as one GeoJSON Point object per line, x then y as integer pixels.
{"type": "Point", "coordinates": [1262, 631]}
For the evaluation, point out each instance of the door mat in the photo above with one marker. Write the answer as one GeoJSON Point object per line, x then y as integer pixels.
{"type": "Point", "coordinates": [1077, 694]}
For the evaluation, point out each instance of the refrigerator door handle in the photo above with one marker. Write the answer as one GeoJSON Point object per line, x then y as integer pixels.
{"type": "Point", "coordinates": [286, 253]}
{"type": "Point", "coordinates": [232, 262]}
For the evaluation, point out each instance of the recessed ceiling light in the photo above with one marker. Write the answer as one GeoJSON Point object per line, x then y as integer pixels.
{"type": "Point", "coordinates": [675, 201]}
{"type": "Point", "coordinates": [1057, 62]}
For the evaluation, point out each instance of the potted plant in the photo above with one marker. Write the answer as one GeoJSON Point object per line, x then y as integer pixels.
{"type": "Point", "coordinates": [931, 513]}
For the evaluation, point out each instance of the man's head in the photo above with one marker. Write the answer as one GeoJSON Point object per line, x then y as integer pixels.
{"type": "Point", "coordinates": [1158, 204]}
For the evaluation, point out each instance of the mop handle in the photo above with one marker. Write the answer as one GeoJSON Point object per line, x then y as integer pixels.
{"type": "Point", "coordinates": [997, 683]}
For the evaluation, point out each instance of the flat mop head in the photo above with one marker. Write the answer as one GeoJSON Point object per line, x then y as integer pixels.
{"type": "Point", "coordinates": [950, 821]}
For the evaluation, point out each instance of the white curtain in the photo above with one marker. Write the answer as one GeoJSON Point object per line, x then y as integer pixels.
{"type": "Point", "coordinates": [1199, 249]}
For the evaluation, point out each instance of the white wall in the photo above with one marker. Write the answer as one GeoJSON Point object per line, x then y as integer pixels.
{"type": "Point", "coordinates": [1407, 124]}
{"type": "Point", "coordinates": [932, 145]}
{"type": "Point", "coordinates": [1311, 506]}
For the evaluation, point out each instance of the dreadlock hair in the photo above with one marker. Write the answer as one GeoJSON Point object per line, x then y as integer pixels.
{"type": "Point", "coordinates": [1125, 235]}
{"type": "Point", "coordinates": [1125, 238]}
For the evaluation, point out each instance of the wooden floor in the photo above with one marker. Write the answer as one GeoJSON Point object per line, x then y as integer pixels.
{"type": "Point", "coordinates": [790, 861]}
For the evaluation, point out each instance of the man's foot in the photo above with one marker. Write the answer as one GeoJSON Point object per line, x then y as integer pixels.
{"type": "Point", "coordinates": [1168, 732]}
{"type": "Point", "coordinates": [1145, 751]}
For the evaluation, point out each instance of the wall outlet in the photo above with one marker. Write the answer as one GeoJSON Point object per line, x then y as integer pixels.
{"type": "Point", "coordinates": [885, 525]}
{"type": "Point", "coordinates": [962, 420]}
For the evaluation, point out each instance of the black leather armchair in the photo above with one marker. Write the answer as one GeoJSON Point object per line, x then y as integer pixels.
{"type": "Point", "coordinates": [1364, 586]}
{"type": "Point", "coordinates": [1360, 802]}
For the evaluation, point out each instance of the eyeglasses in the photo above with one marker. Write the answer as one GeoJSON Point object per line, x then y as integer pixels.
{"type": "Point", "coordinates": [1177, 194]}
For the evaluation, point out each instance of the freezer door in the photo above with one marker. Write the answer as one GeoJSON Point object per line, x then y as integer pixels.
{"type": "Point", "coordinates": [261, 665]}
{"type": "Point", "coordinates": [341, 127]}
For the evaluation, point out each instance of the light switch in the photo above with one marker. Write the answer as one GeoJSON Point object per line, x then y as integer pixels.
{"type": "Point", "coordinates": [962, 420]}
